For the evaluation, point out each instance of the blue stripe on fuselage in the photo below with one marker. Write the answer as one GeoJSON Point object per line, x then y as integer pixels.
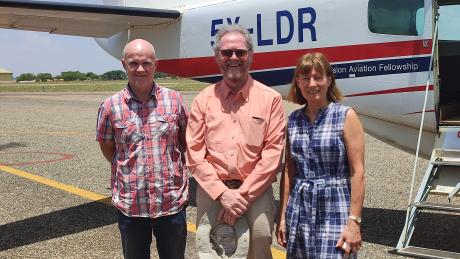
{"type": "Point", "coordinates": [342, 70]}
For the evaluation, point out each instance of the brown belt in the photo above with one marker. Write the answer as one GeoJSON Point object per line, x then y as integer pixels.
{"type": "Point", "coordinates": [233, 184]}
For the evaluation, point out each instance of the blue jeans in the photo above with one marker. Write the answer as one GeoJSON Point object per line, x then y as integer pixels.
{"type": "Point", "coordinates": [170, 233]}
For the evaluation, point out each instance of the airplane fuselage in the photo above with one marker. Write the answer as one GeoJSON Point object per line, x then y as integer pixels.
{"type": "Point", "coordinates": [383, 76]}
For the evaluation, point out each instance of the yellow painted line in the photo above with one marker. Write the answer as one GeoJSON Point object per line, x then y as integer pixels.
{"type": "Point", "coordinates": [191, 227]}
{"type": "Point", "coordinates": [64, 187]}
{"type": "Point", "coordinates": [277, 254]}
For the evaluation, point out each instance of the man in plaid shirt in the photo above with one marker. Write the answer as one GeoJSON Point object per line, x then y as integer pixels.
{"type": "Point", "coordinates": [141, 132]}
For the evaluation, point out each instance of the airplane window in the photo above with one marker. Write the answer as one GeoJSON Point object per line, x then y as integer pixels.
{"type": "Point", "coordinates": [396, 17]}
{"type": "Point", "coordinates": [420, 20]}
{"type": "Point", "coordinates": [449, 22]}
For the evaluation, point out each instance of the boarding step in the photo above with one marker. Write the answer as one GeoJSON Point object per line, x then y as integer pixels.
{"type": "Point", "coordinates": [447, 155]}
{"type": "Point", "coordinates": [447, 178]}
{"type": "Point", "coordinates": [449, 114]}
{"type": "Point", "coordinates": [447, 145]}
{"type": "Point", "coordinates": [438, 206]}
{"type": "Point", "coordinates": [446, 162]}
{"type": "Point", "coordinates": [427, 253]}
{"type": "Point", "coordinates": [450, 122]}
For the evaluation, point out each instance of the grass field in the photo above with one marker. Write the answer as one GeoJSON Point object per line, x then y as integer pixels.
{"type": "Point", "coordinates": [94, 86]}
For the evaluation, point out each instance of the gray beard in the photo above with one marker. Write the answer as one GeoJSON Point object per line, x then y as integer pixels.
{"type": "Point", "coordinates": [234, 75]}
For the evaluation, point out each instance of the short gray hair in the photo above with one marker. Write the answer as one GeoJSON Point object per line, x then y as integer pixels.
{"type": "Point", "coordinates": [231, 29]}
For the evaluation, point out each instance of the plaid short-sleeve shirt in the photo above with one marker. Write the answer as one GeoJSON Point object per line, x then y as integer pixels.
{"type": "Point", "coordinates": [148, 171]}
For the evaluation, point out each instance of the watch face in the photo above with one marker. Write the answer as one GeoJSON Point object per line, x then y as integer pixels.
{"type": "Point", "coordinates": [355, 218]}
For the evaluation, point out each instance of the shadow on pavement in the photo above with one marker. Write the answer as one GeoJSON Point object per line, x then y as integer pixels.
{"type": "Point", "coordinates": [12, 145]}
{"type": "Point", "coordinates": [432, 230]}
{"type": "Point", "coordinates": [192, 191]}
{"type": "Point", "coordinates": [380, 226]}
{"type": "Point", "coordinates": [56, 224]}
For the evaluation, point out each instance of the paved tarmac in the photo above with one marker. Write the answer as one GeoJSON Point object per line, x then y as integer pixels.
{"type": "Point", "coordinates": [47, 148]}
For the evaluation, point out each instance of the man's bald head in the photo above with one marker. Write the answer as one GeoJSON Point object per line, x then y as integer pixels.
{"type": "Point", "coordinates": [140, 64]}
{"type": "Point", "coordinates": [139, 45]}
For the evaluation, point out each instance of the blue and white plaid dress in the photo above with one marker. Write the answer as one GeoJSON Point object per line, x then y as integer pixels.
{"type": "Point", "coordinates": [318, 205]}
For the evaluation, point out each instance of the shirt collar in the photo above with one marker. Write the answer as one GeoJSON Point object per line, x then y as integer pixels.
{"type": "Point", "coordinates": [128, 94]}
{"type": "Point", "coordinates": [226, 91]}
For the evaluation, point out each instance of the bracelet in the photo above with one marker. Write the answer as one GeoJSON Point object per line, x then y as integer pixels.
{"type": "Point", "coordinates": [355, 218]}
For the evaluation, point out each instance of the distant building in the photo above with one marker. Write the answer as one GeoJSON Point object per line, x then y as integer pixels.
{"type": "Point", "coordinates": [6, 76]}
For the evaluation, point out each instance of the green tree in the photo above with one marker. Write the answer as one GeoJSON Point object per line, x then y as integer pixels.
{"type": "Point", "coordinates": [73, 76]}
{"type": "Point", "coordinates": [114, 75]}
{"type": "Point", "coordinates": [161, 75]}
{"type": "Point", "coordinates": [92, 76]}
{"type": "Point", "coordinates": [44, 77]}
{"type": "Point", "coordinates": [26, 77]}
{"type": "Point", "coordinates": [164, 75]}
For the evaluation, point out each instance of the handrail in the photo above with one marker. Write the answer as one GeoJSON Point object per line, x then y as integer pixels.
{"type": "Point", "coordinates": [414, 170]}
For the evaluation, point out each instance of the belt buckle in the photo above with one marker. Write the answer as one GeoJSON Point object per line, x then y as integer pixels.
{"type": "Point", "coordinates": [233, 184]}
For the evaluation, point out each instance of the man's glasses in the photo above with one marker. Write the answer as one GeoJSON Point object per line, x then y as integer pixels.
{"type": "Point", "coordinates": [134, 65]}
{"type": "Point", "coordinates": [228, 53]}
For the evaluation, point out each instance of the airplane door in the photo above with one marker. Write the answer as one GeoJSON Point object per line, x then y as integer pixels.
{"type": "Point", "coordinates": [448, 63]}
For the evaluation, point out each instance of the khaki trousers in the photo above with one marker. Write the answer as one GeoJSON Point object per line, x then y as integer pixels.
{"type": "Point", "coordinates": [260, 218]}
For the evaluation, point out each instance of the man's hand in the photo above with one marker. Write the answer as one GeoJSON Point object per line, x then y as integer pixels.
{"type": "Point", "coordinates": [227, 217]}
{"type": "Point", "coordinates": [234, 203]}
{"type": "Point", "coordinates": [281, 235]}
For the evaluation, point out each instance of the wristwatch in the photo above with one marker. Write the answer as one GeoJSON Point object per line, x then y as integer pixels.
{"type": "Point", "coordinates": [355, 218]}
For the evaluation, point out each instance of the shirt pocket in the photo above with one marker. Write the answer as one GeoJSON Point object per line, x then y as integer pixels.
{"type": "Point", "coordinates": [163, 126]}
{"type": "Point", "coordinates": [255, 132]}
{"type": "Point", "coordinates": [127, 131]}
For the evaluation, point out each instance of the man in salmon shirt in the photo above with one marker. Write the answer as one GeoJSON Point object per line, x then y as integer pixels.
{"type": "Point", "coordinates": [235, 139]}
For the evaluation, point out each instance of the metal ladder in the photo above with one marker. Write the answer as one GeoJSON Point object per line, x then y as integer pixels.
{"type": "Point", "coordinates": [442, 177]}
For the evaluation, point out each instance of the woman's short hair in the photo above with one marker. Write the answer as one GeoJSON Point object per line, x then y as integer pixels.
{"type": "Point", "coordinates": [305, 65]}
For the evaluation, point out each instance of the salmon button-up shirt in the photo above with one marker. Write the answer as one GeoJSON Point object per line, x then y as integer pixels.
{"type": "Point", "coordinates": [235, 136]}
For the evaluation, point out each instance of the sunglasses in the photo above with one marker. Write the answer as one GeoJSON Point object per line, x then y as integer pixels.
{"type": "Point", "coordinates": [228, 53]}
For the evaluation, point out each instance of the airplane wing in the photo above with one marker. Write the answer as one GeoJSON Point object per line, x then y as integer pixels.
{"type": "Point", "coordinates": [89, 20]}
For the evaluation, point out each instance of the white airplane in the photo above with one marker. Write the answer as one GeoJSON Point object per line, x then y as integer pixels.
{"type": "Point", "coordinates": [386, 55]}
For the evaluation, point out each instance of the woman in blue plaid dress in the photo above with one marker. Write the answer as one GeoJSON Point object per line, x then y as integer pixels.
{"type": "Point", "coordinates": [322, 188]}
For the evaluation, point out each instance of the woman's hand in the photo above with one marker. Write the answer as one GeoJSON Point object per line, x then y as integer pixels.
{"type": "Point", "coordinates": [281, 233]}
{"type": "Point", "coordinates": [350, 239]}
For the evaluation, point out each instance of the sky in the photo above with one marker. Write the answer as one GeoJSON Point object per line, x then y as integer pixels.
{"type": "Point", "coordinates": [41, 52]}
{"type": "Point", "coordinates": [38, 52]}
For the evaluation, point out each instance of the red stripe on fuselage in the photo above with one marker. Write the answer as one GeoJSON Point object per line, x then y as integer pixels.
{"type": "Point", "coordinates": [411, 113]}
{"type": "Point", "coordinates": [205, 66]}
{"type": "Point", "coordinates": [394, 90]}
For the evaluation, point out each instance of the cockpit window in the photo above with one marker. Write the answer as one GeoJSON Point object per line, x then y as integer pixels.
{"type": "Point", "coordinates": [398, 17]}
